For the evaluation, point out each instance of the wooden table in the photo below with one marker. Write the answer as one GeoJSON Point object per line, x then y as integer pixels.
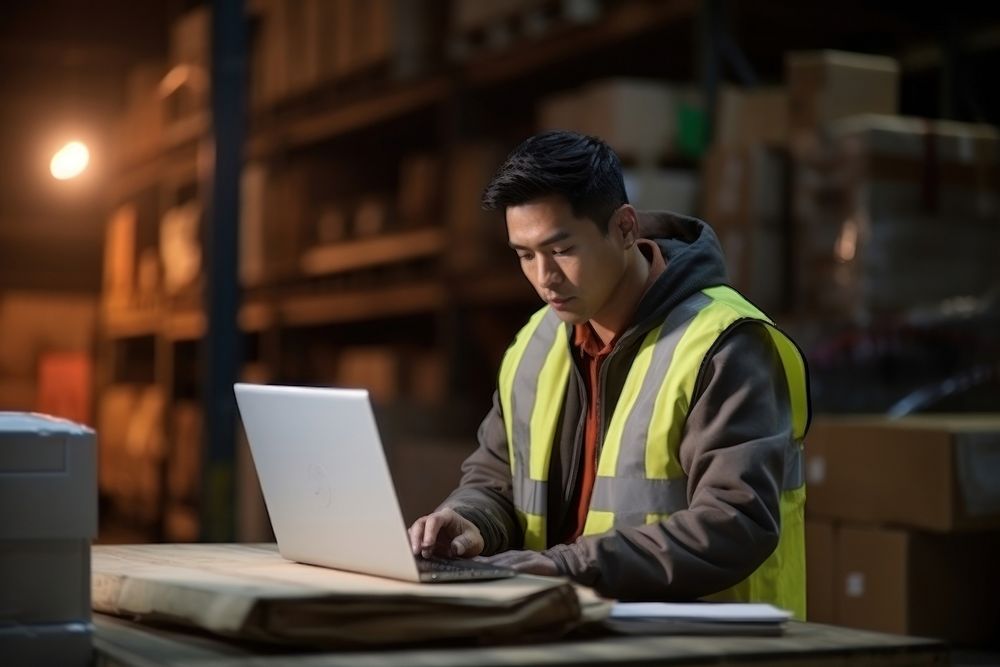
{"type": "Point", "coordinates": [122, 642]}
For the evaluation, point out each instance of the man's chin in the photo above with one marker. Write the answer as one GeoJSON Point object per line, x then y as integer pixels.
{"type": "Point", "coordinates": [570, 317]}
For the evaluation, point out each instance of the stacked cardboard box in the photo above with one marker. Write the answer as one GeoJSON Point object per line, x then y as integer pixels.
{"type": "Point", "coordinates": [286, 212]}
{"type": "Point", "coordinates": [751, 117]}
{"type": "Point", "coordinates": [745, 197]}
{"type": "Point", "coordinates": [654, 189]}
{"type": "Point", "coordinates": [646, 123]}
{"type": "Point", "coordinates": [640, 119]}
{"type": "Point", "coordinates": [37, 326]}
{"type": "Point", "coordinates": [183, 472]}
{"type": "Point", "coordinates": [878, 198]}
{"type": "Point", "coordinates": [825, 86]}
{"type": "Point", "coordinates": [142, 123]}
{"type": "Point", "coordinates": [133, 446]}
{"type": "Point", "coordinates": [180, 247]}
{"type": "Point", "coordinates": [185, 88]}
{"type": "Point", "coordinates": [477, 238]}
{"type": "Point", "coordinates": [761, 138]}
{"type": "Point", "coordinates": [119, 257]}
{"type": "Point", "coordinates": [302, 44]}
{"type": "Point", "coordinates": [894, 213]}
{"type": "Point", "coordinates": [745, 202]}
{"type": "Point", "coordinates": [903, 530]}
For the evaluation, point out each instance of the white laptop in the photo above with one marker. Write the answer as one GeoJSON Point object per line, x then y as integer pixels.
{"type": "Point", "coordinates": [327, 486]}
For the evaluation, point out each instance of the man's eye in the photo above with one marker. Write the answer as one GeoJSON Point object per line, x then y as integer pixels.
{"type": "Point", "coordinates": [562, 251]}
{"type": "Point", "coordinates": [524, 256]}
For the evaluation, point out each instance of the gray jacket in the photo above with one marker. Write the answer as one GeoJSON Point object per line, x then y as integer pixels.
{"type": "Point", "coordinates": [732, 451]}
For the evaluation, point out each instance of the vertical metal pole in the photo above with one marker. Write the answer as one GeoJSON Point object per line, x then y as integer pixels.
{"type": "Point", "coordinates": [950, 94]}
{"type": "Point", "coordinates": [222, 344]}
{"type": "Point", "coordinates": [709, 31]}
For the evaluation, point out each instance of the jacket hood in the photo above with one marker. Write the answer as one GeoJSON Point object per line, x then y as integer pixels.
{"type": "Point", "coordinates": [694, 261]}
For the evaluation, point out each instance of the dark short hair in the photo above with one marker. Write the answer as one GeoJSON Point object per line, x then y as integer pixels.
{"type": "Point", "coordinates": [580, 168]}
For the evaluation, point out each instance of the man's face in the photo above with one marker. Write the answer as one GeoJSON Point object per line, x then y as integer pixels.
{"type": "Point", "coordinates": [572, 265]}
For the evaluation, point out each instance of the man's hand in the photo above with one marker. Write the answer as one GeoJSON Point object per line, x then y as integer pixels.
{"type": "Point", "coordinates": [529, 562]}
{"type": "Point", "coordinates": [445, 533]}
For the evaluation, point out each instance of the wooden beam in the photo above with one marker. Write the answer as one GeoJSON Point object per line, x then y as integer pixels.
{"type": "Point", "coordinates": [384, 249]}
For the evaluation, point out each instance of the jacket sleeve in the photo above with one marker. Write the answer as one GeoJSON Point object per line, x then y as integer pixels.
{"type": "Point", "coordinates": [733, 452]}
{"type": "Point", "coordinates": [485, 494]}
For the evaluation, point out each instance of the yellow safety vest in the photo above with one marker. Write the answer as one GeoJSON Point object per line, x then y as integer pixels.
{"type": "Point", "coordinates": [639, 475]}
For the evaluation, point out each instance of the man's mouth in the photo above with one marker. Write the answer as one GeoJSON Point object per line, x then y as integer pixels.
{"type": "Point", "coordinates": [560, 302]}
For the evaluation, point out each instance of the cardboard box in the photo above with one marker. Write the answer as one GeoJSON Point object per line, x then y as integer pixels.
{"type": "Point", "coordinates": [143, 121]}
{"type": "Point", "coordinates": [131, 423]}
{"type": "Point", "coordinates": [287, 209]}
{"type": "Point", "coordinates": [643, 120]}
{"type": "Point", "coordinates": [181, 523]}
{"type": "Point", "coordinates": [820, 572]}
{"type": "Point", "coordinates": [356, 35]}
{"type": "Point", "coordinates": [748, 117]}
{"type": "Point", "coordinates": [268, 81]}
{"type": "Point", "coordinates": [373, 368]}
{"type": "Point", "coordinates": [34, 323]}
{"type": "Point", "coordinates": [652, 189]}
{"type": "Point", "coordinates": [297, 33]}
{"type": "Point", "coordinates": [936, 472]}
{"type": "Point", "coordinates": [253, 260]}
{"type": "Point", "coordinates": [918, 584]}
{"type": "Point", "coordinates": [184, 462]}
{"type": "Point", "coordinates": [119, 256]}
{"type": "Point", "coordinates": [185, 89]}
{"type": "Point", "coordinates": [191, 38]}
{"type": "Point", "coordinates": [562, 111]}
{"type": "Point", "coordinates": [637, 118]}
{"type": "Point", "coordinates": [363, 34]}
{"type": "Point", "coordinates": [371, 217]}
{"type": "Point", "coordinates": [875, 204]}
{"type": "Point", "coordinates": [745, 202]}
{"type": "Point", "coordinates": [115, 406]}
{"type": "Point", "coordinates": [65, 381]}
{"type": "Point", "coordinates": [824, 86]}
{"type": "Point", "coordinates": [478, 238]}
{"type": "Point", "coordinates": [180, 246]}
{"type": "Point", "coordinates": [419, 189]}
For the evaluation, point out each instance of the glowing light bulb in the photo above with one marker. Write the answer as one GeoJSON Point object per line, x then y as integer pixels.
{"type": "Point", "coordinates": [70, 161]}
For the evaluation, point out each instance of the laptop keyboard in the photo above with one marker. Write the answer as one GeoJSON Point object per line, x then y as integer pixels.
{"type": "Point", "coordinates": [458, 569]}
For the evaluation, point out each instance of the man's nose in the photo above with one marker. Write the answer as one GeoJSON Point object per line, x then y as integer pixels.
{"type": "Point", "coordinates": [549, 274]}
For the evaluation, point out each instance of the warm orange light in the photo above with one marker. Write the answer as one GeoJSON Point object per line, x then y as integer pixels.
{"type": "Point", "coordinates": [70, 161]}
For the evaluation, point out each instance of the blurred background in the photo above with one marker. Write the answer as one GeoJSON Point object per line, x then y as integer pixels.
{"type": "Point", "coordinates": [290, 195]}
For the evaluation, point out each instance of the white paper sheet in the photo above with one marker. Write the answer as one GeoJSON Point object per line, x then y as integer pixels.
{"type": "Point", "coordinates": [701, 611]}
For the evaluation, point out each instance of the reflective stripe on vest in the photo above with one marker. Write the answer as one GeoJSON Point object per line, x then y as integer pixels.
{"type": "Point", "coordinates": [639, 480]}
{"type": "Point", "coordinates": [533, 378]}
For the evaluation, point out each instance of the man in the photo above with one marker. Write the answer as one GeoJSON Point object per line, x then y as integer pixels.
{"type": "Point", "coordinates": [645, 436]}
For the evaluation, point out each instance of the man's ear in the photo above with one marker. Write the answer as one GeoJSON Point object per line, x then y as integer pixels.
{"type": "Point", "coordinates": [627, 222]}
